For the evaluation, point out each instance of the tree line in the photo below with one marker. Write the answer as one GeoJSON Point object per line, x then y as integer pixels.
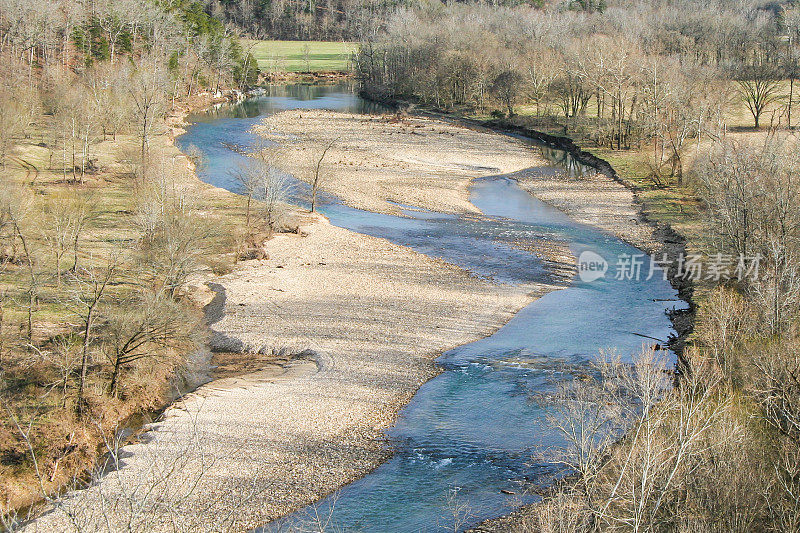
{"type": "Point", "coordinates": [634, 74]}
{"type": "Point", "coordinates": [321, 20]}
{"type": "Point", "coordinates": [335, 20]}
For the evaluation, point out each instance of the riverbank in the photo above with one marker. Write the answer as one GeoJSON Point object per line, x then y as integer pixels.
{"type": "Point", "coordinates": [375, 161]}
{"type": "Point", "coordinates": [332, 296]}
{"type": "Point", "coordinates": [664, 222]}
{"type": "Point", "coordinates": [66, 446]}
{"type": "Point", "coordinates": [368, 318]}
{"type": "Point", "coordinates": [379, 161]}
{"type": "Point", "coordinates": [618, 204]}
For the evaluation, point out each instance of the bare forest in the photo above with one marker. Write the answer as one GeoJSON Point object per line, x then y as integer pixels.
{"type": "Point", "coordinates": [100, 230]}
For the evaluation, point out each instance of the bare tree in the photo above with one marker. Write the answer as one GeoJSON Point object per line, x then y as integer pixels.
{"type": "Point", "coordinates": [176, 249]}
{"type": "Point", "coordinates": [721, 324]}
{"type": "Point", "coordinates": [634, 485]}
{"type": "Point", "coordinates": [248, 176]}
{"type": "Point", "coordinates": [89, 288]}
{"type": "Point", "coordinates": [461, 512]}
{"type": "Point", "coordinates": [507, 86]}
{"type": "Point", "coordinates": [258, 174]}
{"type": "Point", "coordinates": [539, 74]}
{"type": "Point", "coordinates": [12, 120]}
{"type": "Point", "coordinates": [15, 209]}
{"type": "Point", "coordinates": [675, 98]}
{"type": "Point", "coordinates": [171, 471]}
{"type": "Point", "coordinates": [174, 239]}
{"type": "Point", "coordinates": [107, 88]}
{"type": "Point", "coordinates": [791, 56]}
{"type": "Point", "coordinates": [759, 86]}
{"type": "Point", "coordinates": [725, 183]}
{"type": "Point", "coordinates": [66, 218]}
{"type": "Point", "coordinates": [147, 87]}
{"type": "Point", "coordinates": [318, 174]}
{"type": "Point", "coordinates": [752, 190]}
{"type": "Point", "coordinates": [66, 357]}
{"type": "Point", "coordinates": [273, 192]}
{"type": "Point", "coordinates": [152, 327]}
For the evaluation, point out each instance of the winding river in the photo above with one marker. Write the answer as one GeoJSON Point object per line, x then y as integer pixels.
{"type": "Point", "coordinates": [464, 443]}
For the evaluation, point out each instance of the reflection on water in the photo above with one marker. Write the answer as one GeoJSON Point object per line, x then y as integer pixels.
{"type": "Point", "coordinates": [467, 438]}
{"type": "Point", "coordinates": [566, 163]}
{"type": "Point", "coordinates": [337, 97]}
{"type": "Point", "coordinates": [222, 133]}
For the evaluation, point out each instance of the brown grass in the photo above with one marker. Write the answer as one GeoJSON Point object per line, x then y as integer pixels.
{"type": "Point", "coordinates": [65, 445]}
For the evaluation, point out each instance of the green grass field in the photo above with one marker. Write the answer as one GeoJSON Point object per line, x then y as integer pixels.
{"type": "Point", "coordinates": [301, 56]}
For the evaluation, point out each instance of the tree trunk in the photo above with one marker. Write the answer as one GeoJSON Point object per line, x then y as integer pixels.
{"type": "Point", "coordinates": [75, 253]}
{"type": "Point", "coordinates": [144, 141]}
{"type": "Point", "coordinates": [32, 289]}
{"type": "Point", "coordinates": [74, 175]}
{"type": "Point", "coordinates": [84, 359]}
{"type": "Point", "coordinates": [249, 200]}
{"type": "Point", "coordinates": [112, 388]}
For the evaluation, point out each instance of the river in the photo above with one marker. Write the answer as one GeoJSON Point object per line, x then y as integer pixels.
{"type": "Point", "coordinates": [465, 442]}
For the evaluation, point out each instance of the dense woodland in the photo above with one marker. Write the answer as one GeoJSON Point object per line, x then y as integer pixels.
{"type": "Point", "coordinates": [328, 20]}
{"type": "Point", "coordinates": [99, 231]}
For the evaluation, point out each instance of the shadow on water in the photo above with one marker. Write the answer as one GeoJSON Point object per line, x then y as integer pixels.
{"type": "Point", "coordinates": [467, 438]}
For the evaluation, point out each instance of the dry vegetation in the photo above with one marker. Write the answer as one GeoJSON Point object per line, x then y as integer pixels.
{"type": "Point", "coordinates": [651, 77]}
{"type": "Point", "coordinates": [718, 452]}
{"type": "Point", "coordinates": [103, 228]}
{"type": "Point", "coordinates": [367, 318]}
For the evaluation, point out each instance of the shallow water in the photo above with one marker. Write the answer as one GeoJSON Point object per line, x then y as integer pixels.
{"type": "Point", "coordinates": [471, 432]}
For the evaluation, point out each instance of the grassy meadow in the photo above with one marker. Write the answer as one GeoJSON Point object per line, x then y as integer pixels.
{"type": "Point", "coordinates": [301, 56]}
